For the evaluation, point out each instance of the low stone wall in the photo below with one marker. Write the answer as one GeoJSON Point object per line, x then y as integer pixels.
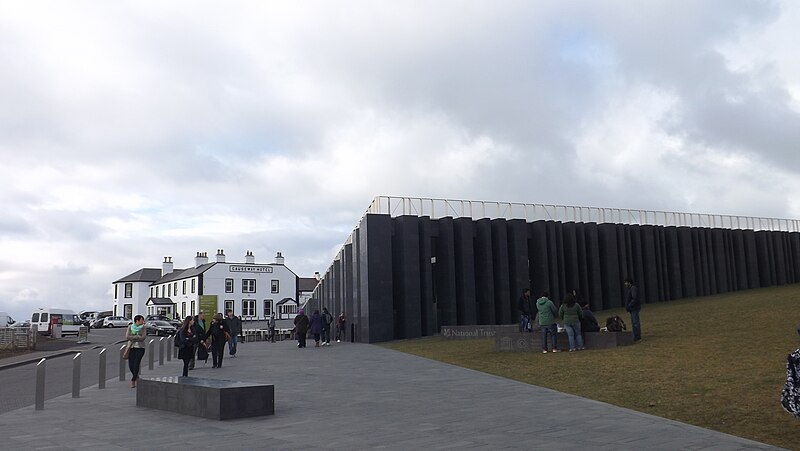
{"type": "Point", "coordinates": [527, 342]}
{"type": "Point", "coordinates": [476, 332]}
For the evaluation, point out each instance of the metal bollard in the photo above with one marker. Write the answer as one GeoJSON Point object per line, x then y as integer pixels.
{"type": "Point", "coordinates": [76, 376]}
{"type": "Point", "coordinates": [122, 363]}
{"type": "Point", "coordinates": [40, 368]}
{"type": "Point", "coordinates": [150, 356]}
{"type": "Point", "coordinates": [161, 351]}
{"type": "Point", "coordinates": [169, 347]}
{"type": "Point", "coordinates": [102, 370]}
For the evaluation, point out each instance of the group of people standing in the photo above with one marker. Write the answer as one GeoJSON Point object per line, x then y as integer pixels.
{"type": "Point", "coordinates": [320, 326]}
{"type": "Point", "coordinates": [574, 313]}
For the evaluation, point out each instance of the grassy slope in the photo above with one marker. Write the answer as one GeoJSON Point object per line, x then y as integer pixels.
{"type": "Point", "coordinates": [718, 362]}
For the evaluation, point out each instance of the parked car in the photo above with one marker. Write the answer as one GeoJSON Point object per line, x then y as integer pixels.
{"type": "Point", "coordinates": [23, 325]}
{"type": "Point", "coordinates": [174, 322]}
{"type": "Point", "coordinates": [116, 321]}
{"type": "Point", "coordinates": [160, 328]}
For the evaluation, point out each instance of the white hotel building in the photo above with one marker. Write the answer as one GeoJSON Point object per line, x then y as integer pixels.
{"type": "Point", "coordinates": [253, 291]}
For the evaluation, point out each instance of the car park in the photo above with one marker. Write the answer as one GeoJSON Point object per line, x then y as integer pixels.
{"type": "Point", "coordinates": [159, 328]}
{"type": "Point", "coordinates": [116, 321]}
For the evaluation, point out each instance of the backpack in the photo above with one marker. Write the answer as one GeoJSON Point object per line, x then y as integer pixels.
{"type": "Point", "coordinates": [790, 396]}
{"type": "Point", "coordinates": [615, 324]}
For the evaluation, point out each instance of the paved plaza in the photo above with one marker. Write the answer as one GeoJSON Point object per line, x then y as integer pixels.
{"type": "Point", "coordinates": [353, 396]}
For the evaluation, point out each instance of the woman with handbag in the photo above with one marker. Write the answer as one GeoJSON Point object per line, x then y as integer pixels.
{"type": "Point", "coordinates": [220, 334]}
{"type": "Point", "coordinates": [187, 340]}
{"type": "Point", "coordinates": [135, 336]}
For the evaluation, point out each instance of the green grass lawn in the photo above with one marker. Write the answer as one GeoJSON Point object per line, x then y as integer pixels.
{"type": "Point", "coordinates": [717, 362]}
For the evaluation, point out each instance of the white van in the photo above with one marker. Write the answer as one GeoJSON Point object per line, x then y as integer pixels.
{"type": "Point", "coordinates": [45, 318]}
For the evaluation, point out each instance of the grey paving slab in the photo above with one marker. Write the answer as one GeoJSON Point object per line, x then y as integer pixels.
{"type": "Point", "coordinates": [356, 396]}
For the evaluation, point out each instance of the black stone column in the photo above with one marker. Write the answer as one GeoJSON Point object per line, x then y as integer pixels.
{"type": "Point", "coordinates": [376, 280]}
{"type": "Point", "coordinates": [465, 271]}
{"type": "Point", "coordinates": [502, 292]}
{"type": "Point", "coordinates": [406, 277]}
{"type": "Point", "coordinates": [484, 272]}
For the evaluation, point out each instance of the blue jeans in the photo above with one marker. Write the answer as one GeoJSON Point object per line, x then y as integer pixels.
{"type": "Point", "coordinates": [574, 335]}
{"type": "Point", "coordinates": [636, 323]}
{"type": "Point", "coordinates": [552, 330]}
{"type": "Point", "coordinates": [524, 322]}
{"type": "Point", "coordinates": [232, 345]}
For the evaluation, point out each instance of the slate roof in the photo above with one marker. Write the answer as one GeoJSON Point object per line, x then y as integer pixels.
{"type": "Point", "coordinates": [184, 273]}
{"type": "Point", "coordinates": [306, 284]}
{"type": "Point", "coordinates": [285, 300]}
{"type": "Point", "coordinates": [160, 301]}
{"type": "Point", "coordinates": [142, 275]}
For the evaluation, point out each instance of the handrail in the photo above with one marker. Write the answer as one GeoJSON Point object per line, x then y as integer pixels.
{"type": "Point", "coordinates": [458, 208]}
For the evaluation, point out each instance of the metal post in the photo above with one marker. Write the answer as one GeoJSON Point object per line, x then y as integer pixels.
{"type": "Point", "coordinates": [40, 368]}
{"type": "Point", "coordinates": [102, 382]}
{"type": "Point", "coordinates": [150, 352]}
{"type": "Point", "coordinates": [76, 376]}
{"type": "Point", "coordinates": [161, 351]}
{"type": "Point", "coordinates": [122, 363]}
{"type": "Point", "coordinates": [169, 347]}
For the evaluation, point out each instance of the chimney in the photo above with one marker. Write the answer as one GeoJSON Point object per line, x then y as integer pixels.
{"type": "Point", "coordinates": [200, 259]}
{"type": "Point", "coordinates": [220, 256]}
{"type": "Point", "coordinates": [316, 275]}
{"type": "Point", "coordinates": [249, 258]}
{"type": "Point", "coordinates": [166, 267]}
{"type": "Point", "coordinates": [279, 259]}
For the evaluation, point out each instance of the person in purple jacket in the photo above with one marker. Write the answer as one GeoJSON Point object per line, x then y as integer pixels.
{"type": "Point", "coordinates": [316, 326]}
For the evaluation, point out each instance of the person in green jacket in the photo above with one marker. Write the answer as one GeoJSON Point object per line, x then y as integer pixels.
{"type": "Point", "coordinates": [547, 319]}
{"type": "Point", "coordinates": [571, 313]}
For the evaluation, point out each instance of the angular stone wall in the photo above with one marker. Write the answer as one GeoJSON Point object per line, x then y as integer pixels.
{"type": "Point", "coordinates": [408, 276]}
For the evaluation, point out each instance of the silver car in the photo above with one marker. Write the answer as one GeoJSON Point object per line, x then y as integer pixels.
{"type": "Point", "coordinates": [116, 321]}
{"type": "Point", "coordinates": [159, 328]}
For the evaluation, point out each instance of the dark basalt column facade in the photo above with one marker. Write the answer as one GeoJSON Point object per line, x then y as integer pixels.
{"type": "Point", "coordinates": [405, 277]}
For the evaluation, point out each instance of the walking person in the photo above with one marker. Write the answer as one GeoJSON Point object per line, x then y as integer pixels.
{"type": "Point", "coordinates": [235, 329]}
{"type": "Point", "coordinates": [525, 309]}
{"type": "Point", "coordinates": [327, 320]}
{"type": "Point", "coordinates": [316, 327]}
{"type": "Point", "coordinates": [633, 305]}
{"type": "Point", "coordinates": [219, 333]}
{"type": "Point", "coordinates": [547, 319]}
{"type": "Point", "coordinates": [272, 328]}
{"type": "Point", "coordinates": [135, 335]}
{"type": "Point", "coordinates": [188, 341]}
{"type": "Point", "coordinates": [301, 324]}
{"type": "Point", "coordinates": [341, 324]}
{"type": "Point", "coordinates": [571, 313]}
{"type": "Point", "coordinates": [200, 327]}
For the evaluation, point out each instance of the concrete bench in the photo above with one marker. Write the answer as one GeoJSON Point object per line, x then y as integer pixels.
{"type": "Point", "coordinates": [527, 341]}
{"type": "Point", "coordinates": [208, 398]}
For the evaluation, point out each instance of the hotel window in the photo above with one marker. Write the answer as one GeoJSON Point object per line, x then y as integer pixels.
{"type": "Point", "coordinates": [193, 284]}
{"type": "Point", "coordinates": [152, 291]}
{"type": "Point", "coordinates": [248, 285]}
{"type": "Point", "coordinates": [169, 290]}
{"type": "Point", "coordinates": [267, 308]}
{"type": "Point", "coordinates": [116, 291]}
{"type": "Point", "coordinates": [193, 313]}
{"type": "Point", "coordinates": [248, 307]}
{"type": "Point", "coordinates": [128, 290]}
{"type": "Point", "coordinates": [175, 288]}
{"type": "Point", "coordinates": [228, 306]}
{"type": "Point", "coordinates": [183, 310]}
{"type": "Point", "coordinates": [229, 285]}
{"type": "Point", "coordinates": [275, 286]}
{"type": "Point", "coordinates": [184, 287]}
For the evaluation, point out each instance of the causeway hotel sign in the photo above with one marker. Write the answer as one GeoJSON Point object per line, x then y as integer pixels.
{"type": "Point", "coordinates": [250, 268]}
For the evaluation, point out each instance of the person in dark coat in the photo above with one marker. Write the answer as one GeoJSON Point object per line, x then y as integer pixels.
{"type": "Point", "coordinates": [525, 309]}
{"type": "Point", "coordinates": [633, 305]}
{"type": "Point", "coordinates": [301, 324]}
{"type": "Point", "coordinates": [187, 341]}
{"type": "Point", "coordinates": [200, 330]}
{"type": "Point", "coordinates": [235, 329]}
{"type": "Point", "coordinates": [588, 320]}
{"type": "Point", "coordinates": [327, 320]}
{"type": "Point", "coordinates": [219, 334]}
{"type": "Point", "coordinates": [316, 326]}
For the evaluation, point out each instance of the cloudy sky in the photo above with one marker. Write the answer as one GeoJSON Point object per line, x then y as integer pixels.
{"type": "Point", "coordinates": [130, 131]}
